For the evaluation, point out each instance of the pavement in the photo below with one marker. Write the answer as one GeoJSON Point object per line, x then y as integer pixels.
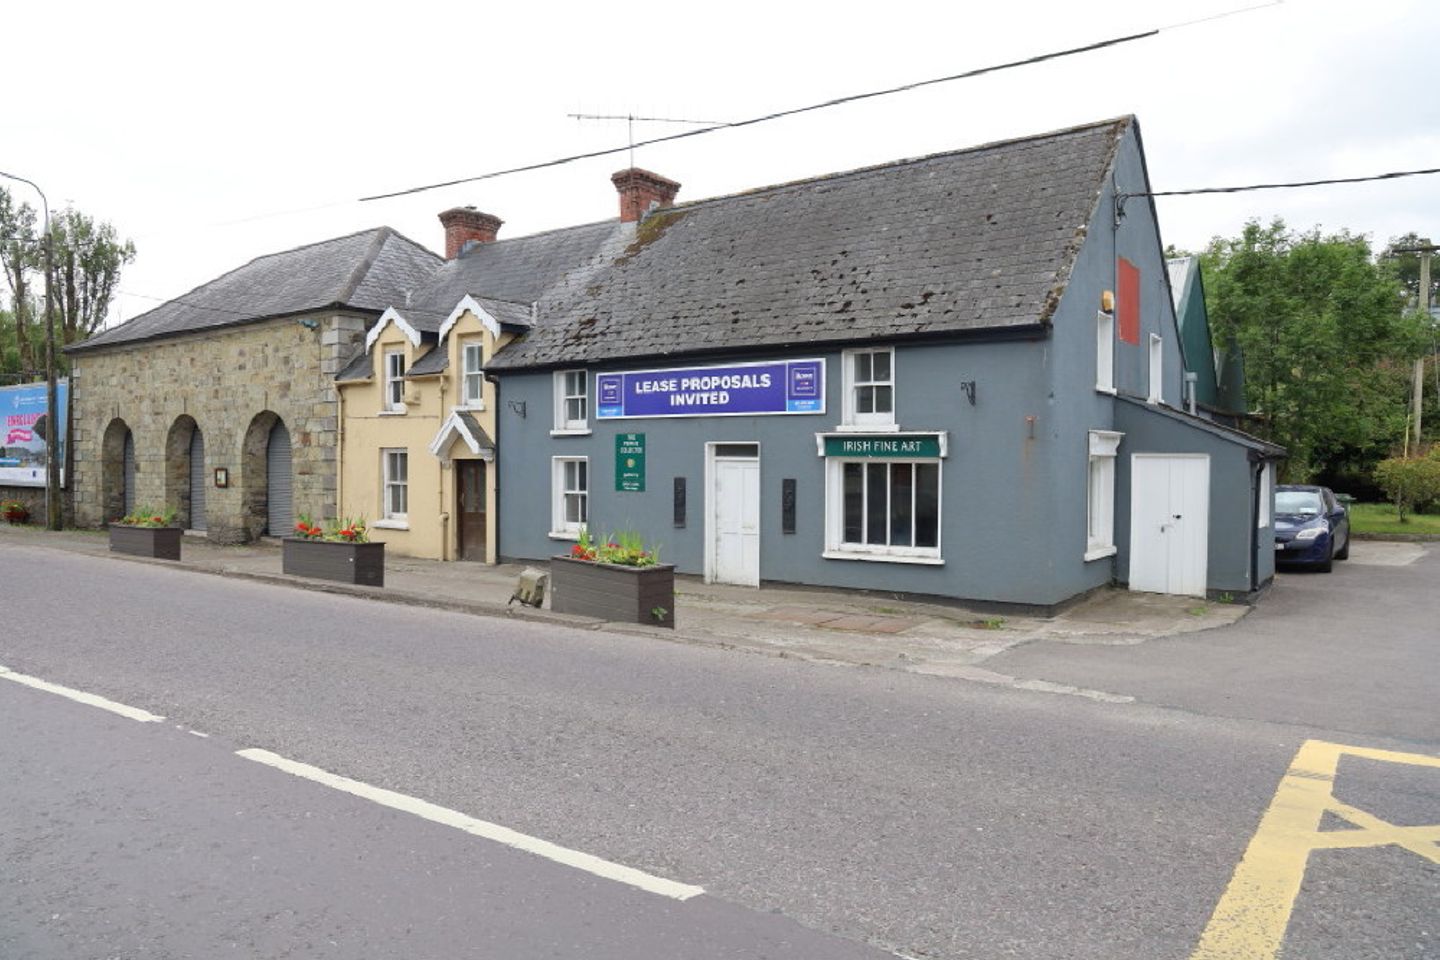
{"type": "Point", "coordinates": [858, 628]}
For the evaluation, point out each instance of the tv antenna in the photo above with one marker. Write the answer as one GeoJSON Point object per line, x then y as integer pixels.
{"type": "Point", "coordinates": [630, 121]}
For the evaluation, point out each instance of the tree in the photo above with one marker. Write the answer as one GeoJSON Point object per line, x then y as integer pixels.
{"type": "Point", "coordinates": [19, 257]}
{"type": "Point", "coordinates": [1410, 482]}
{"type": "Point", "coordinates": [1325, 336]}
{"type": "Point", "coordinates": [88, 258]}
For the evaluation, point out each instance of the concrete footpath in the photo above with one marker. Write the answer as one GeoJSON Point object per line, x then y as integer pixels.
{"type": "Point", "coordinates": [858, 628]}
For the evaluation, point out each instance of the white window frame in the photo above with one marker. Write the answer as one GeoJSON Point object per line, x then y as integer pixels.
{"type": "Point", "coordinates": [394, 368]}
{"type": "Point", "coordinates": [835, 546]}
{"type": "Point", "coordinates": [1100, 494]}
{"type": "Point", "coordinates": [560, 527]}
{"type": "Point", "coordinates": [1267, 496]}
{"type": "Point", "coordinates": [1157, 369]}
{"type": "Point", "coordinates": [564, 424]}
{"type": "Point", "coordinates": [852, 418]}
{"type": "Point", "coordinates": [1105, 352]}
{"type": "Point", "coordinates": [472, 376]}
{"type": "Point", "coordinates": [394, 519]}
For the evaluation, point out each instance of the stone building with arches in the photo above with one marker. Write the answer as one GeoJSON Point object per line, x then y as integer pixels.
{"type": "Point", "coordinates": [221, 403]}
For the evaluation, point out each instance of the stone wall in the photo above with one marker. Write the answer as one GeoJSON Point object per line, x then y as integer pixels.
{"type": "Point", "coordinates": [232, 384]}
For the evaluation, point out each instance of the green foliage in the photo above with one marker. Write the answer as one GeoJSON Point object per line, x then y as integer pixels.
{"type": "Point", "coordinates": [148, 516]}
{"type": "Point", "coordinates": [1408, 481]}
{"type": "Point", "coordinates": [1325, 336]}
{"type": "Point", "coordinates": [338, 530]}
{"type": "Point", "coordinates": [626, 548]}
{"type": "Point", "coordinates": [14, 511]}
{"type": "Point", "coordinates": [88, 258]}
{"type": "Point", "coordinates": [1383, 518]}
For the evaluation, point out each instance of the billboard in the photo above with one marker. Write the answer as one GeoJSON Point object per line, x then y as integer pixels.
{"type": "Point", "coordinates": [741, 389]}
{"type": "Point", "coordinates": [22, 433]}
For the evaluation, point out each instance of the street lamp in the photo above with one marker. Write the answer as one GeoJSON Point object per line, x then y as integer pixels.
{"type": "Point", "coordinates": [53, 518]}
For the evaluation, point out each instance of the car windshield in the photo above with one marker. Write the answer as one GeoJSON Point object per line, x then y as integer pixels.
{"type": "Point", "coordinates": [1304, 502]}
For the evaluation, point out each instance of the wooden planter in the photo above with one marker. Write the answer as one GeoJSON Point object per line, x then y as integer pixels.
{"type": "Point", "coordinates": [358, 563]}
{"type": "Point", "coordinates": [158, 543]}
{"type": "Point", "coordinates": [612, 592]}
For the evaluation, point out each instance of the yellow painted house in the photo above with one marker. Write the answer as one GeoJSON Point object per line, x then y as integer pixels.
{"type": "Point", "coordinates": [417, 449]}
{"type": "Point", "coordinates": [417, 413]}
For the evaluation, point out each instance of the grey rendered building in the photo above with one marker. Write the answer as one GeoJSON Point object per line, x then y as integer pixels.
{"type": "Point", "coordinates": [957, 376]}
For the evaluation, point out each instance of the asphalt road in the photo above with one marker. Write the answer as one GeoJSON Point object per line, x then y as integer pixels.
{"type": "Point", "coordinates": [824, 810]}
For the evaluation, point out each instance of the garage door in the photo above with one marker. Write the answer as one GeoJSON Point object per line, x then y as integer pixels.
{"type": "Point", "coordinates": [127, 473]}
{"type": "Point", "coordinates": [197, 480]}
{"type": "Point", "coordinates": [277, 482]}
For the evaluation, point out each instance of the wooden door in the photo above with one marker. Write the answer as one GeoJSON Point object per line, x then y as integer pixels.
{"type": "Point", "coordinates": [470, 509]}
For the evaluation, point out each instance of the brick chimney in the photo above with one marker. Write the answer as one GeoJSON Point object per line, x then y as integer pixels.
{"type": "Point", "coordinates": [641, 191]}
{"type": "Point", "coordinates": [465, 226]}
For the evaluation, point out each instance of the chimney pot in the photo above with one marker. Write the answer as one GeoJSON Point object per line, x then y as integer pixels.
{"type": "Point", "coordinates": [642, 191]}
{"type": "Point", "coordinates": [466, 226]}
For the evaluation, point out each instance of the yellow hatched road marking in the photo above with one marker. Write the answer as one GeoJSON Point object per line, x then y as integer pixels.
{"type": "Point", "coordinates": [1249, 922]}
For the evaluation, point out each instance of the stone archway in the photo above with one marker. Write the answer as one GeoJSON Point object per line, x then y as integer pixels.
{"type": "Point", "coordinates": [178, 469]}
{"type": "Point", "coordinates": [255, 493]}
{"type": "Point", "coordinates": [114, 482]}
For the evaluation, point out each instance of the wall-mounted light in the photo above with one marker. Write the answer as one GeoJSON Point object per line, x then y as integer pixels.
{"type": "Point", "coordinates": [308, 323]}
{"type": "Point", "coordinates": [1107, 301]}
{"type": "Point", "coordinates": [1030, 424]}
{"type": "Point", "coordinates": [967, 387]}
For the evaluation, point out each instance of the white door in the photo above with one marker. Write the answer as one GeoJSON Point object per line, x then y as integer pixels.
{"type": "Point", "coordinates": [1169, 523]}
{"type": "Point", "coordinates": [735, 520]}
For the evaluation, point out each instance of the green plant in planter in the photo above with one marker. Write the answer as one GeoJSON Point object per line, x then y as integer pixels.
{"type": "Point", "coordinates": [339, 530]}
{"type": "Point", "coordinates": [14, 511]}
{"type": "Point", "coordinates": [146, 516]}
{"type": "Point", "coordinates": [625, 548]}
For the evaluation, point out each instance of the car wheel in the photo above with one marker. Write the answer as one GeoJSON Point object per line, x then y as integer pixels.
{"type": "Point", "coordinates": [1344, 552]}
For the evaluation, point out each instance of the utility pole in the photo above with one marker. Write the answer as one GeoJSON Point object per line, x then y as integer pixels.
{"type": "Point", "coordinates": [1419, 392]}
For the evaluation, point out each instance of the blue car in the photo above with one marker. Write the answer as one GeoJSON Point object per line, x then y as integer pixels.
{"type": "Point", "coordinates": [1312, 528]}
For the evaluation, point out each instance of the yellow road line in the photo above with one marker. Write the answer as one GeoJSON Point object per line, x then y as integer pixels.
{"type": "Point", "coordinates": [1249, 922]}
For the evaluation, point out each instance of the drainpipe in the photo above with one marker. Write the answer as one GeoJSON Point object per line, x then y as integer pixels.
{"type": "Point", "coordinates": [492, 519]}
{"type": "Point", "coordinates": [440, 485]}
{"type": "Point", "coordinates": [339, 451]}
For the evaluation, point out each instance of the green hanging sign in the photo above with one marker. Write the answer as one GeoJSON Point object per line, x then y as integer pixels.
{"type": "Point", "coordinates": [630, 462]}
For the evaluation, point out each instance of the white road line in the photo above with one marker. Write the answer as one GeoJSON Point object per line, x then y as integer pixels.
{"type": "Point", "coordinates": [80, 696]}
{"type": "Point", "coordinates": [481, 828]}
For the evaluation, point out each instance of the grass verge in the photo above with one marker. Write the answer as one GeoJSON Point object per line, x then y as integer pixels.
{"type": "Point", "coordinates": [1381, 518]}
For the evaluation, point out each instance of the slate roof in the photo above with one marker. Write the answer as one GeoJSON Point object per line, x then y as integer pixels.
{"type": "Point", "coordinates": [436, 361]}
{"type": "Point", "coordinates": [364, 271]}
{"type": "Point", "coordinates": [1263, 449]}
{"type": "Point", "coordinates": [976, 239]}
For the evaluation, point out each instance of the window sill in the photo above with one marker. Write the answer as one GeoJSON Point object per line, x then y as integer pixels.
{"type": "Point", "coordinates": [470, 407]}
{"type": "Point", "coordinates": [891, 427]}
{"type": "Point", "coordinates": [391, 524]}
{"type": "Point", "coordinates": [563, 535]}
{"type": "Point", "coordinates": [398, 412]}
{"type": "Point", "coordinates": [1108, 391]}
{"type": "Point", "coordinates": [570, 433]}
{"type": "Point", "coordinates": [1100, 553]}
{"type": "Point", "coordinates": [883, 558]}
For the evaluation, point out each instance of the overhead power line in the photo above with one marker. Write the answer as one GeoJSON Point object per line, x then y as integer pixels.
{"type": "Point", "coordinates": [852, 98]}
{"type": "Point", "coordinates": [1287, 186]}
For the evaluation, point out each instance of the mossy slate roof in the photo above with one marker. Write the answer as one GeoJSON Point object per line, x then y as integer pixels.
{"type": "Point", "coordinates": [365, 271]}
{"type": "Point", "coordinates": [977, 239]}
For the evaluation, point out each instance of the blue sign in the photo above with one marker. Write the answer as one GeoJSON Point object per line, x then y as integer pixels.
{"type": "Point", "coordinates": [741, 389]}
{"type": "Point", "coordinates": [22, 442]}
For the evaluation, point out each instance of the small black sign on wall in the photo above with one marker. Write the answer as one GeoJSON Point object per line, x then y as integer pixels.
{"type": "Point", "coordinates": [787, 506]}
{"type": "Point", "coordinates": [679, 502]}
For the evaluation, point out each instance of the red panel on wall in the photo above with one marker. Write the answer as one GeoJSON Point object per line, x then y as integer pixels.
{"type": "Point", "coordinates": [1128, 302]}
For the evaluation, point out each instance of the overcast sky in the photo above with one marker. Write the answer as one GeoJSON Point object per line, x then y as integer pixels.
{"type": "Point", "coordinates": [212, 134]}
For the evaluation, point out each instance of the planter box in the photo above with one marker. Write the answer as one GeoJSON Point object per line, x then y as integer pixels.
{"type": "Point", "coordinates": [158, 543]}
{"type": "Point", "coordinates": [612, 592]}
{"type": "Point", "coordinates": [358, 563]}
